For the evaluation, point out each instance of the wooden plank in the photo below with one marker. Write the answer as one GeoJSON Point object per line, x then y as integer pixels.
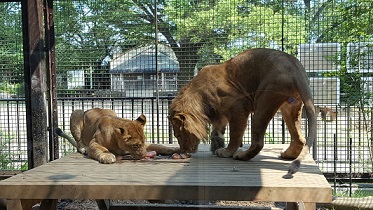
{"type": "Point", "coordinates": [35, 82]}
{"type": "Point", "coordinates": [51, 75]}
{"type": "Point", "coordinates": [17, 204]}
{"type": "Point", "coordinates": [14, 204]}
{"type": "Point", "coordinates": [202, 177]}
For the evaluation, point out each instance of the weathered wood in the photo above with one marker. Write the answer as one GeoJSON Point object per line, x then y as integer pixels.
{"type": "Point", "coordinates": [14, 204]}
{"type": "Point", "coordinates": [51, 78]}
{"type": "Point", "coordinates": [35, 82]}
{"type": "Point", "coordinates": [19, 204]}
{"type": "Point", "coordinates": [202, 177]}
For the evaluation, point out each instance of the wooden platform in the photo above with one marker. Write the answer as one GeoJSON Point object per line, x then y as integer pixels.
{"type": "Point", "coordinates": [201, 177]}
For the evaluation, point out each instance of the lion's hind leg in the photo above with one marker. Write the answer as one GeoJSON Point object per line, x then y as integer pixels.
{"type": "Point", "coordinates": [76, 127]}
{"type": "Point", "coordinates": [292, 115]}
{"type": "Point", "coordinates": [268, 104]}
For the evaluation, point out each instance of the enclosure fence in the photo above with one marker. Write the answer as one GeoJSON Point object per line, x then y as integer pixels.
{"type": "Point", "coordinates": [133, 56]}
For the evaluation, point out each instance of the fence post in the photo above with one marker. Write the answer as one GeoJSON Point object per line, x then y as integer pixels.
{"type": "Point", "coordinates": [51, 81]}
{"type": "Point", "coordinates": [35, 82]}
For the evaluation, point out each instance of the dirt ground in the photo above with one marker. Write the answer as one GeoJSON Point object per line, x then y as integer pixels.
{"type": "Point", "coordinates": [339, 203]}
{"type": "Point", "coordinates": [92, 205]}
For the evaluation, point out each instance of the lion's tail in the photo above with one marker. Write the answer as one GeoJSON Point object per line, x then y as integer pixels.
{"type": "Point", "coordinates": [312, 132]}
{"type": "Point", "coordinates": [64, 135]}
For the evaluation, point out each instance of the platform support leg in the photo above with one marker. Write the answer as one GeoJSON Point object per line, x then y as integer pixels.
{"type": "Point", "coordinates": [103, 204]}
{"type": "Point", "coordinates": [300, 206]}
{"type": "Point", "coordinates": [48, 204]}
{"type": "Point", "coordinates": [18, 204]}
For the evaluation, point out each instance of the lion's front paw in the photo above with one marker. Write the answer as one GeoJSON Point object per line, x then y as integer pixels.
{"type": "Point", "coordinates": [239, 155]}
{"type": "Point", "coordinates": [290, 153]}
{"type": "Point", "coordinates": [244, 154]}
{"type": "Point", "coordinates": [107, 158]}
{"type": "Point", "coordinates": [216, 143]}
{"type": "Point", "coordinates": [286, 155]}
{"type": "Point", "coordinates": [223, 152]}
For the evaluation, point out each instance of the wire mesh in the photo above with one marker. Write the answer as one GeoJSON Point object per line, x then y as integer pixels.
{"type": "Point", "coordinates": [110, 55]}
{"type": "Point", "coordinates": [13, 147]}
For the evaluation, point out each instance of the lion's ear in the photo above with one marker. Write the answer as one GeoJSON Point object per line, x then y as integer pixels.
{"type": "Point", "coordinates": [141, 119]}
{"type": "Point", "coordinates": [179, 118]}
{"type": "Point", "coordinates": [123, 133]}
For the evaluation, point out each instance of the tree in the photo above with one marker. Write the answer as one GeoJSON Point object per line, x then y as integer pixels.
{"type": "Point", "coordinates": [11, 59]}
{"type": "Point", "coordinates": [344, 22]}
{"type": "Point", "coordinates": [199, 32]}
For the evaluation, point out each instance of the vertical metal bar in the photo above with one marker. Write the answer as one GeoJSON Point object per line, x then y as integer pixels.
{"type": "Point", "coordinates": [360, 127]}
{"type": "Point", "coordinates": [335, 163]}
{"type": "Point", "coordinates": [348, 126]}
{"type": "Point", "coordinates": [18, 126]}
{"type": "Point", "coordinates": [283, 26]}
{"type": "Point", "coordinates": [169, 99]}
{"type": "Point", "coordinates": [273, 131]}
{"type": "Point", "coordinates": [371, 135]}
{"type": "Point", "coordinates": [132, 106]}
{"type": "Point", "coordinates": [8, 125]}
{"type": "Point", "coordinates": [63, 114]}
{"type": "Point", "coordinates": [336, 146]}
{"type": "Point", "coordinates": [154, 120]}
{"type": "Point", "coordinates": [35, 82]}
{"type": "Point", "coordinates": [325, 142]}
{"type": "Point", "coordinates": [163, 121]}
{"type": "Point", "coordinates": [122, 108]}
{"type": "Point", "coordinates": [156, 65]}
{"type": "Point", "coordinates": [350, 156]}
{"type": "Point", "coordinates": [283, 130]}
{"type": "Point", "coordinates": [51, 82]}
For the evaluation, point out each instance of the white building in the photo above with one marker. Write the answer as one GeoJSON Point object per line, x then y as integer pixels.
{"type": "Point", "coordinates": [135, 71]}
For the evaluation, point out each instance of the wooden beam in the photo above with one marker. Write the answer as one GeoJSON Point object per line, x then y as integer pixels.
{"type": "Point", "coordinates": [52, 80]}
{"type": "Point", "coordinates": [35, 82]}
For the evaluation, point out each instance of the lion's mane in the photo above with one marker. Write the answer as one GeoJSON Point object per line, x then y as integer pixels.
{"type": "Point", "coordinates": [191, 105]}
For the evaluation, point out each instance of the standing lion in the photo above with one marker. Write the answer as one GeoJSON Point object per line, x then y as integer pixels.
{"type": "Point", "coordinates": [259, 81]}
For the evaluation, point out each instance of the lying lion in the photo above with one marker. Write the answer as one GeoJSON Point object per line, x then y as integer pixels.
{"type": "Point", "coordinates": [102, 135]}
{"type": "Point", "coordinates": [258, 81]}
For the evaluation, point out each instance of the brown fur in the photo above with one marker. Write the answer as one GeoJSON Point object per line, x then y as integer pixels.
{"type": "Point", "coordinates": [102, 135]}
{"type": "Point", "coordinates": [258, 81]}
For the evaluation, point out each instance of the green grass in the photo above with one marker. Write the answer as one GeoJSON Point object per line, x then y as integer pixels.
{"type": "Point", "coordinates": [8, 156]}
{"type": "Point", "coordinates": [356, 193]}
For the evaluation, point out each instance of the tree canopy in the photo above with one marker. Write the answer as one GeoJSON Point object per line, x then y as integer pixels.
{"type": "Point", "coordinates": [89, 33]}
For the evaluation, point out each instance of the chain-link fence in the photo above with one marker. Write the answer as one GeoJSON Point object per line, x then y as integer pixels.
{"type": "Point", "coordinates": [133, 57]}
{"type": "Point", "coordinates": [13, 140]}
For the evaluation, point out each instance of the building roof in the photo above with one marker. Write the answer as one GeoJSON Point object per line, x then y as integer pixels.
{"type": "Point", "coordinates": [142, 60]}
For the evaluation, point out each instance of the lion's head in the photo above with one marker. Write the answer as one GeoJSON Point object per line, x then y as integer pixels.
{"type": "Point", "coordinates": [129, 136]}
{"type": "Point", "coordinates": [189, 126]}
